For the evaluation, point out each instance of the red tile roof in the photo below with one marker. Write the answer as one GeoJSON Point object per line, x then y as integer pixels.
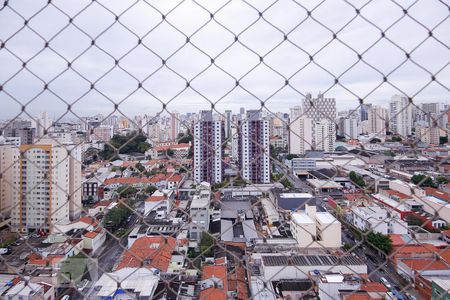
{"type": "Point", "coordinates": [93, 234]}
{"type": "Point", "coordinates": [398, 194]}
{"type": "Point", "coordinates": [149, 252]}
{"type": "Point", "coordinates": [213, 293]}
{"type": "Point", "coordinates": [155, 198]}
{"type": "Point", "coordinates": [374, 287]}
{"type": "Point", "coordinates": [437, 193]}
{"type": "Point", "coordinates": [89, 220]}
{"type": "Point", "coordinates": [105, 203]}
{"type": "Point", "coordinates": [127, 180]}
{"type": "Point", "coordinates": [425, 264]}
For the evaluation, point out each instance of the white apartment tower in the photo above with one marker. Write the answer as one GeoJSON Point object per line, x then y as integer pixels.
{"type": "Point", "coordinates": [254, 151]}
{"type": "Point", "coordinates": [349, 128]}
{"type": "Point", "coordinates": [300, 135]}
{"type": "Point", "coordinates": [208, 149]}
{"type": "Point", "coordinates": [174, 125]}
{"type": "Point", "coordinates": [401, 115]}
{"type": "Point", "coordinates": [377, 120]}
{"type": "Point", "coordinates": [47, 186]}
{"type": "Point", "coordinates": [325, 135]}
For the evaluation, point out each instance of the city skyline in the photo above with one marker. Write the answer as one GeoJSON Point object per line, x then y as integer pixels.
{"type": "Point", "coordinates": [245, 54]}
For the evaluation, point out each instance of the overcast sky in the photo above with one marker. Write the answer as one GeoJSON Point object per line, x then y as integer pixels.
{"type": "Point", "coordinates": [211, 30]}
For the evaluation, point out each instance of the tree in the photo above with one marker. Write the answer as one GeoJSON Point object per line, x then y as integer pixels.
{"type": "Point", "coordinates": [441, 180]}
{"type": "Point", "coordinates": [170, 152]}
{"type": "Point", "coordinates": [139, 167]}
{"type": "Point", "coordinates": [357, 179]}
{"type": "Point", "coordinates": [185, 138]}
{"type": "Point", "coordinates": [126, 191]}
{"type": "Point", "coordinates": [375, 141]}
{"type": "Point", "coordinates": [443, 140]}
{"type": "Point", "coordinates": [150, 189]}
{"type": "Point", "coordinates": [422, 180]}
{"type": "Point", "coordinates": [291, 156]}
{"type": "Point", "coordinates": [396, 138]}
{"type": "Point", "coordinates": [206, 241]}
{"type": "Point", "coordinates": [380, 242]}
{"type": "Point", "coordinates": [125, 144]}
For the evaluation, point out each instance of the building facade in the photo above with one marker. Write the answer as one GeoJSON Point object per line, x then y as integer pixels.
{"type": "Point", "coordinates": [254, 150]}
{"type": "Point", "coordinates": [208, 149]}
{"type": "Point", "coordinates": [47, 187]}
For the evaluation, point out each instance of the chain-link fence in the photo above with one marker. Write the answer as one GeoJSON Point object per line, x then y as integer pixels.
{"type": "Point", "coordinates": [173, 149]}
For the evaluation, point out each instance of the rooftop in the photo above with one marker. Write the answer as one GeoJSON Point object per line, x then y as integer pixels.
{"type": "Point", "coordinates": [149, 252]}
{"type": "Point", "coordinates": [310, 260]}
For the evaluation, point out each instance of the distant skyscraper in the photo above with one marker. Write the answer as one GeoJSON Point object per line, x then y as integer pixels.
{"type": "Point", "coordinates": [43, 124]}
{"type": "Point", "coordinates": [300, 135]}
{"type": "Point", "coordinates": [364, 111]}
{"type": "Point", "coordinates": [46, 187]}
{"type": "Point", "coordinates": [254, 151]}
{"type": "Point", "coordinates": [401, 115]}
{"type": "Point", "coordinates": [325, 135]}
{"type": "Point", "coordinates": [377, 120]}
{"type": "Point", "coordinates": [318, 109]}
{"type": "Point", "coordinates": [208, 149]}
{"type": "Point", "coordinates": [9, 154]}
{"type": "Point", "coordinates": [21, 129]}
{"type": "Point", "coordinates": [174, 125]}
{"type": "Point", "coordinates": [349, 128]}
{"type": "Point", "coordinates": [228, 123]}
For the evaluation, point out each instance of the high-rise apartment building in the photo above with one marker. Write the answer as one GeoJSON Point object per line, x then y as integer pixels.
{"type": "Point", "coordinates": [174, 125]}
{"type": "Point", "coordinates": [208, 149]}
{"type": "Point", "coordinates": [300, 135]}
{"type": "Point", "coordinates": [377, 120]}
{"type": "Point", "coordinates": [254, 150]}
{"type": "Point", "coordinates": [9, 154]}
{"type": "Point", "coordinates": [349, 128]}
{"type": "Point", "coordinates": [47, 186]}
{"type": "Point", "coordinates": [364, 111]}
{"type": "Point", "coordinates": [103, 133]}
{"type": "Point", "coordinates": [319, 109]}
{"type": "Point", "coordinates": [428, 135]}
{"type": "Point", "coordinates": [401, 115]}
{"type": "Point", "coordinates": [325, 135]}
{"type": "Point", "coordinates": [43, 124]}
{"type": "Point", "coordinates": [228, 123]}
{"type": "Point", "coordinates": [21, 129]}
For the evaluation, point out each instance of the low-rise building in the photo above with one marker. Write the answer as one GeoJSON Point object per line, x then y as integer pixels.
{"type": "Point", "coordinates": [378, 219]}
{"type": "Point", "coordinates": [199, 212]}
{"type": "Point", "coordinates": [135, 283]}
{"type": "Point", "coordinates": [314, 229]}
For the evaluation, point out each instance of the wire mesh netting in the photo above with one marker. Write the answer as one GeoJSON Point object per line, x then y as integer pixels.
{"type": "Point", "coordinates": [177, 150]}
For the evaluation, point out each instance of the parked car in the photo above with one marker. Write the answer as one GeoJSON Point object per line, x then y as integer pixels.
{"type": "Point", "coordinates": [5, 251]}
{"type": "Point", "coordinates": [385, 282]}
{"type": "Point", "coordinates": [65, 297]}
{"type": "Point", "coordinates": [82, 285]}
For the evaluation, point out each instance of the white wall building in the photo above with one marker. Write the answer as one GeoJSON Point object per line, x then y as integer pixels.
{"type": "Point", "coordinates": [325, 135]}
{"type": "Point", "coordinates": [378, 219]}
{"type": "Point", "coordinates": [401, 115]}
{"type": "Point", "coordinates": [314, 229]}
{"type": "Point", "coordinates": [350, 128]}
{"type": "Point", "coordinates": [199, 212]}
{"type": "Point", "coordinates": [300, 135]}
{"type": "Point", "coordinates": [9, 154]}
{"type": "Point", "coordinates": [377, 120]}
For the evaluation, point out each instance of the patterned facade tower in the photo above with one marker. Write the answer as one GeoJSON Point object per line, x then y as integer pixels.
{"type": "Point", "coordinates": [319, 109]}
{"type": "Point", "coordinates": [208, 149]}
